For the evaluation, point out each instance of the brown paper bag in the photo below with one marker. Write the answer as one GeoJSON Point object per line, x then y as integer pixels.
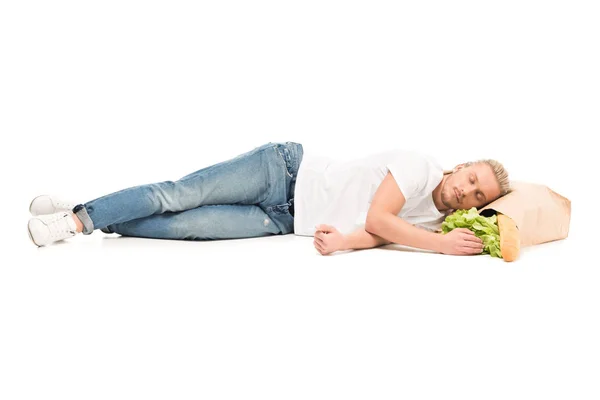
{"type": "Point", "coordinates": [541, 214]}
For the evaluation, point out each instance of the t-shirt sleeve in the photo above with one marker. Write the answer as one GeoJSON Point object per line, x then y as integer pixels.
{"type": "Point", "coordinates": [411, 172]}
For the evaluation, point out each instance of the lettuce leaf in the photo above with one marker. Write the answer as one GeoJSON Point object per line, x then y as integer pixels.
{"type": "Point", "coordinates": [485, 228]}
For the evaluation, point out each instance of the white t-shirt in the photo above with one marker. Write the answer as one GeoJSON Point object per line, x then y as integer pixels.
{"type": "Point", "coordinates": [339, 193]}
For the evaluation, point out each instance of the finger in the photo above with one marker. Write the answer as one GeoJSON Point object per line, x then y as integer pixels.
{"type": "Point", "coordinates": [318, 247]}
{"type": "Point", "coordinates": [322, 249]}
{"type": "Point", "coordinates": [472, 244]}
{"type": "Point", "coordinates": [329, 229]}
{"type": "Point", "coordinates": [465, 230]}
{"type": "Point", "coordinates": [473, 238]}
{"type": "Point", "coordinates": [475, 250]}
{"type": "Point", "coordinates": [472, 250]}
{"type": "Point", "coordinates": [324, 228]}
{"type": "Point", "coordinates": [319, 240]}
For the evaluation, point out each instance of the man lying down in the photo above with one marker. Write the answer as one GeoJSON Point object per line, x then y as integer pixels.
{"type": "Point", "coordinates": [401, 197]}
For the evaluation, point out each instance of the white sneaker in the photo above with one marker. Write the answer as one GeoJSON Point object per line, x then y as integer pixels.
{"type": "Point", "coordinates": [45, 204]}
{"type": "Point", "coordinates": [45, 229]}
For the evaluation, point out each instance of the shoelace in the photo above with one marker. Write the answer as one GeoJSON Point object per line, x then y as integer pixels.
{"type": "Point", "coordinates": [59, 226]}
{"type": "Point", "coordinates": [61, 204]}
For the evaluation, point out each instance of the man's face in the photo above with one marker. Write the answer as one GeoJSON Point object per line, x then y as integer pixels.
{"type": "Point", "coordinates": [472, 186]}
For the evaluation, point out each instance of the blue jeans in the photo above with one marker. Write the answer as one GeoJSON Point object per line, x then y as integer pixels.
{"type": "Point", "coordinates": [249, 195]}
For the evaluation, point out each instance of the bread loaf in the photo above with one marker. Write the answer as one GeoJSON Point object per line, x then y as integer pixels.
{"type": "Point", "coordinates": [510, 241]}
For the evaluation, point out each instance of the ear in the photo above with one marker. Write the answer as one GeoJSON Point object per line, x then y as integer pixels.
{"type": "Point", "coordinates": [458, 167]}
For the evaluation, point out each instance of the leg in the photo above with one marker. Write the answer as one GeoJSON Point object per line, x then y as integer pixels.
{"type": "Point", "coordinates": [258, 177]}
{"type": "Point", "coordinates": [226, 221]}
{"type": "Point", "coordinates": [78, 224]}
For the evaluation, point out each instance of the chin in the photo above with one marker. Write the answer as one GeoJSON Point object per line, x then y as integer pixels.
{"type": "Point", "coordinates": [447, 203]}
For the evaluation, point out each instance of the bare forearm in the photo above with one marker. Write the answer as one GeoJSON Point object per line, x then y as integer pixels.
{"type": "Point", "coordinates": [361, 239]}
{"type": "Point", "coordinates": [397, 230]}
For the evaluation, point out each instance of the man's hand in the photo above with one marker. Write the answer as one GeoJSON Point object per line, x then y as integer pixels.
{"type": "Point", "coordinates": [461, 241]}
{"type": "Point", "coordinates": [328, 239]}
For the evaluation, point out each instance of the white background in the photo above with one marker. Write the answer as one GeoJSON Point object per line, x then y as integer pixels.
{"type": "Point", "coordinates": [99, 96]}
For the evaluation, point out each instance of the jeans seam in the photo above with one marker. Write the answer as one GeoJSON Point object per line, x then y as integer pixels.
{"type": "Point", "coordinates": [285, 164]}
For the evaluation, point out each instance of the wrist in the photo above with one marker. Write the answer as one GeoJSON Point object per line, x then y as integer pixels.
{"type": "Point", "coordinates": [345, 245]}
{"type": "Point", "coordinates": [439, 243]}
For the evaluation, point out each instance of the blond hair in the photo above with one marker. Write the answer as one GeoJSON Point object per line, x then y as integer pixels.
{"type": "Point", "coordinates": [499, 172]}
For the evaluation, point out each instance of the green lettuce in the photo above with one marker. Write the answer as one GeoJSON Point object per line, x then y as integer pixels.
{"type": "Point", "coordinates": [485, 228]}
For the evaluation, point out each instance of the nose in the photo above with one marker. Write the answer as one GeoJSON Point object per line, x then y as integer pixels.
{"type": "Point", "coordinates": [464, 193]}
{"type": "Point", "coordinates": [468, 192]}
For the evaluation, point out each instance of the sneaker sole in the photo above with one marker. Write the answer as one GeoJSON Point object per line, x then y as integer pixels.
{"type": "Point", "coordinates": [53, 211]}
{"type": "Point", "coordinates": [31, 237]}
{"type": "Point", "coordinates": [30, 204]}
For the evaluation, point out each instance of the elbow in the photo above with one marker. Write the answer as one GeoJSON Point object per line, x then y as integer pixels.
{"type": "Point", "coordinates": [371, 225]}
